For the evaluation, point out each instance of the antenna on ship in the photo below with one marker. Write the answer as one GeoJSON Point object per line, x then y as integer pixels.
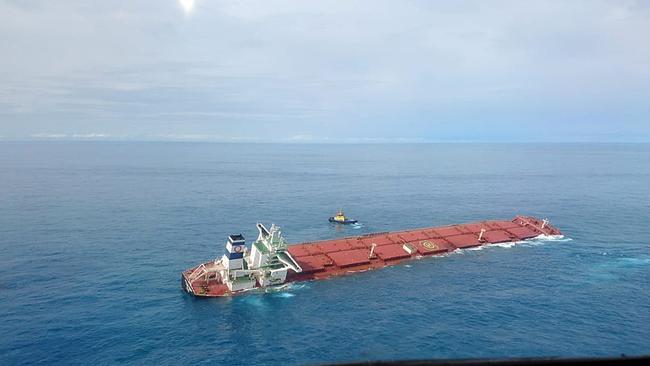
{"type": "Point", "coordinates": [544, 223]}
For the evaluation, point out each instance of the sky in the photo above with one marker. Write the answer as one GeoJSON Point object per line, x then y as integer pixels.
{"type": "Point", "coordinates": [325, 71]}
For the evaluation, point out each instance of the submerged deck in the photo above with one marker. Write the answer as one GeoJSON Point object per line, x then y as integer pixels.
{"type": "Point", "coordinates": [337, 257]}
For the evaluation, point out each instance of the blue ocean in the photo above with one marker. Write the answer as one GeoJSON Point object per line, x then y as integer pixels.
{"type": "Point", "coordinates": [94, 236]}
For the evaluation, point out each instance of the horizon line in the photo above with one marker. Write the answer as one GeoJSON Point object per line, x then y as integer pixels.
{"type": "Point", "coordinates": [318, 142]}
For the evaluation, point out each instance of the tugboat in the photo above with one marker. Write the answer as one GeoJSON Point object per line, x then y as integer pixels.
{"type": "Point", "coordinates": [340, 218]}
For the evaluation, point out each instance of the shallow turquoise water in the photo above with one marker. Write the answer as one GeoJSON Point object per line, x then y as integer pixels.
{"type": "Point", "coordinates": [93, 237]}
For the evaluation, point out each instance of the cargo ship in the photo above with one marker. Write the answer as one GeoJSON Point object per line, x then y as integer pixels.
{"type": "Point", "coordinates": [272, 263]}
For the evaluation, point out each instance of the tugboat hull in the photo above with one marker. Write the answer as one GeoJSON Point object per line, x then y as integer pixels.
{"type": "Point", "coordinates": [344, 222]}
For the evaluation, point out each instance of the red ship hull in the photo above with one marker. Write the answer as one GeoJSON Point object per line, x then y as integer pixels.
{"type": "Point", "coordinates": [338, 257]}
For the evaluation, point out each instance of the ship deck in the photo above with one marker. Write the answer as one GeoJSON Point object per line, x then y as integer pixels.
{"type": "Point", "coordinates": [329, 258]}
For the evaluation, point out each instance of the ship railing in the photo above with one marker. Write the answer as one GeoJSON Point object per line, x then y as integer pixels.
{"type": "Point", "coordinates": [198, 272]}
{"type": "Point", "coordinates": [373, 234]}
{"type": "Point", "coordinates": [288, 261]}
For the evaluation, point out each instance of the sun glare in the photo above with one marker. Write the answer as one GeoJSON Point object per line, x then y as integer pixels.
{"type": "Point", "coordinates": [187, 5]}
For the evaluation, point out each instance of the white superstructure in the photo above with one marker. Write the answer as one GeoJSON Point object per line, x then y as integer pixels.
{"type": "Point", "coordinates": [266, 264]}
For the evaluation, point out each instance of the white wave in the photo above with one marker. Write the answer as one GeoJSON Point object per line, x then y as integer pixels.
{"type": "Point", "coordinates": [543, 237]}
{"type": "Point", "coordinates": [541, 240]}
{"type": "Point", "coordinates": [277, 288]}
{"type": "Point", "coordinates": [298, 285]}
{"type": "Point", "coordinates": [634, 261]}
{"type": "Point", "coordinates": [256, 301]}
{"type": "Point", "coordinates": [475, 248]}
{"type": "Point", "coordinates": [285, 290]}
{"type": "Point", "coordinates": [613, 269]}
{"type": "Point", "coordinates": [502, 245]}
{"type": "Point", "coordinates": [538, 240]}
{"type": "Point", "coordinates": [284, 295]}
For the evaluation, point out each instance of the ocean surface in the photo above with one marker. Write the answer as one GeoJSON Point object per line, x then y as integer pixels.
{"type": "Point", "coordinates": [94, 236]}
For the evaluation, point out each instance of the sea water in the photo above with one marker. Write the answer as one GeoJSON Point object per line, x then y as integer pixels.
{"type": "Point", "coordinates": [94, 236]}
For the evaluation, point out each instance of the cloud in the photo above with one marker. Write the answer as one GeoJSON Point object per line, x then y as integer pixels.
{"type": "Point", "coordinates": [186, 137]}
{"type": "Point", "coordinates": [301, 138]}
{"type": "Point", "coordinates": [462, 70]}
{"type": "Point", "coordinates": [89, 135]}
{"type": "Point", "coordinates": [74, 136]}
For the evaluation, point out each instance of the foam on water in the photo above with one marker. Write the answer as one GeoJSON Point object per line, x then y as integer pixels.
{"type": "Point", "coordinates": [502, 245]}
{"type": "Point", "coordinates": [616, 269]}
{"type": "Point", "coordinates": [538, 240]}
{"type": "Point", "coordinates": [543, 237]}
{"type": "Point", "coordinates": [634, 262]}
{"type": "Point", "coordinates": [251, 300]}
{"type": "Point", "coordinates": [283, 295]}
{"type": "Point", "coordinates": [285, 289]}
